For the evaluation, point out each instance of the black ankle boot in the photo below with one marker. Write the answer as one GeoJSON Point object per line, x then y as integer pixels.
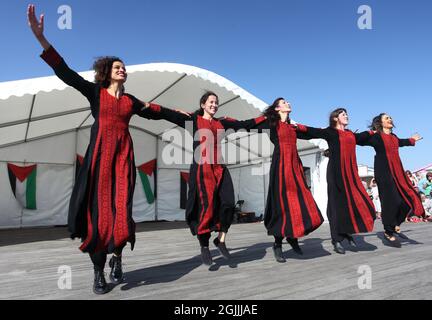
{"type": "Point", "coordinates": [338, 247]}
{"type": "Point", "coordinates": [222, 248]}
{"type": "Point", "coordinates": [393, 243]}
{"type": "Point", "coordinates": [294, 244]}
{"type": "Point", "coordinates": [206, 256]}
{"type": "Point", "coordinates": [351, 241]}
{"type": "Point", "coordinates": [116, 274]}
{"type": "Point", "coordinates": [277, 250]}
{"type": "Point", "coordinates": [99, 285]}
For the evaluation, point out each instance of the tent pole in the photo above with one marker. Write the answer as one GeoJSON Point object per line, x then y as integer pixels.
{"type": "Point", "coordinates": [264, 188]}
{"type": "Point", "coordinates": [75, 155]}
{"type": "Point", "coordinates": [157, 178]}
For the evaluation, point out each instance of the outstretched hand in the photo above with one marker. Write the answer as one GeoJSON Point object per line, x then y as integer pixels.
{"type": "Point", "coordinates": [417, 137]}
{"type": "Point", "coordinates": [37, 26]}
{"type": "Point", "coordinates": [184, 112]}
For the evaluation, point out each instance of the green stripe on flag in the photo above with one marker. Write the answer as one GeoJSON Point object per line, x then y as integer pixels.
{"type": "Point", "coordinates": [147, 189]}
{"type": "Point", "coordinates": [31, 191]}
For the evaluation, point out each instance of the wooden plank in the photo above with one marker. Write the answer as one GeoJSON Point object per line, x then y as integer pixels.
{"type": "Point", "coordinates": [166, 265]}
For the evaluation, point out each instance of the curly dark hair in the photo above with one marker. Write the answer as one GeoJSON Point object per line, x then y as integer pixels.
{"type": "Point", "coordinates": [376, 123]}
{"type": "Point", "coordinates": [102, 67]}
{"type": "Point", "coordinates": [271, 113]}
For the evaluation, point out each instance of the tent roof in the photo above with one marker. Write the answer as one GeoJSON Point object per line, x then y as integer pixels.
{"type": "Point", "coordinates": [37, 108]}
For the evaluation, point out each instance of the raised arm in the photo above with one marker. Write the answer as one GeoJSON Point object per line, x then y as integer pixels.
{"type": "Point", "coordinates": [411, 141]}
{"type": "Point", "coordinates": [54, 60]}
{"type": "Point", "coordinates": [229, 123]}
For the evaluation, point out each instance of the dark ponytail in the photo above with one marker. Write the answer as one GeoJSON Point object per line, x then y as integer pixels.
{"type": "Point", "coordinates": [271, 113]}
{"type": "Point", "coordinates": [203, 100]}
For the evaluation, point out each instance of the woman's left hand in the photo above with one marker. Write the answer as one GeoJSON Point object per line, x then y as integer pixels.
{"type": "Point", "coordinates": [417, 137]}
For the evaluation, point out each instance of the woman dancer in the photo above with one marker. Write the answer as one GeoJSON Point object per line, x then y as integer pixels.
{"type": "Point", "coordinates": [349, 209]}
{"type": "Point", "coordinates": [210, 204]}
{"type": "Point", "coordinates": [398, 196]}
{"type": "Point", "coordinates": [291, 211]}
{"type": "Point", "coordinates": [100, 210]}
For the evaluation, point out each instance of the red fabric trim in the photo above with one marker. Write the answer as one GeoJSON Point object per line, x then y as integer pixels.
{"type": "Point", "coordinates": [281, 199]}
{"type": "Point", "coordinates": [301, 128]}
{"type": "Point", "coordinates": [148, 168]}
{"type": "Point", "coordinates": [105, 216]}
{"type": "Point", "coordinates": [290, 185]}
{"type": "Point", "coordinates": [185, 176]}
{"type": "Point", "coordinates": [51, 56]}
{"type": "Point", "coordinates": [122, 171]}
{"type": "Point", "coordinates": [155, 107]}
{"type": "Point", "coordinates": [391, 145]}
{"type": "Point", "coordinates": [358, 191]}
{"type": "Point", "coordinates": [212, 172]}
{"type": "Point", "coordinates": [210, 187]}
{"type": "Point", "coordinates": [310, 203]}
{"type": "Point", "coordinates": [80, 159]}
{"type": "Point", "coordinates": [21, 173]}
{"type": "Point", "coordinates": [413, 142]}
{"type": "Point", "coordinates": [89, 204]}
{"type": "Point", "coordinates": [343, 140]}
{"type": "Point", "coordinates": [260, 119]}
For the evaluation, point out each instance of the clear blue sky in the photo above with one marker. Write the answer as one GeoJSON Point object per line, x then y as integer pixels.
{"type": "Point", "coordinates": [309, 51]}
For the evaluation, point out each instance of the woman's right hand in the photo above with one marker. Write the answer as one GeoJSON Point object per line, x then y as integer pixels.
{"type": "Point", "coordinates": [36, 26]}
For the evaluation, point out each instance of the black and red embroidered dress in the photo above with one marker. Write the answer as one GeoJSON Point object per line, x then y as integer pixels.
{"type": "Point", "coordinates": [100, 209]}
{"type": "Point", "coordinates": [349, 208]}
{"type": "Point", "coordinates": [210, 204]}
{"type": "Point", "coordinates": [396, 192]}
{"type": "Point", "coordinates": [291, 210]}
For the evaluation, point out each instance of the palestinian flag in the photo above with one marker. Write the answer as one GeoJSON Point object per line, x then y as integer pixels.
{"type": "Point", "coordinates": [78, 164]}
{"type": "Point", "coordinates": [147, 172]}
{"type": "Point", "coordinates": [23, 184]}
{"type": "Point", "coordinates": [184, 179]}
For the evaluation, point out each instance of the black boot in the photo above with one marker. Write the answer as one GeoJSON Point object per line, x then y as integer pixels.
{"type": "Point", "coordinates": [116, 274]}
{"type": "Point", "coordinates": [277, 250]}
{"type": "Point", "coordinates": [338, 247]}
{"type": "Point", "coordinates": [399, 233]}
{"type": "Point", "coordinates": [222, 248]}
{"type": "Point", "coordinates": [392, 240]}
{"type": "Point", "coordinates": [294, 244]}
{"type": "Point", "coordinates": [351, 241]}
{"type": "Point", "coordinates": [206, 256]}
{"type": "Point", "coordinates": [99, 285]}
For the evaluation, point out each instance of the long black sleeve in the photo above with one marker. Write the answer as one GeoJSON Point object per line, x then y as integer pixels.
{"type": "Point", "coordinates": [157, 112]}
{"type": "Point", "coordinates": [67, 75]}
{"type": "Point", "coordinates": [307, 133]}
{"type": "Point", "coordinates": [229, 123]}
{"type": "Point", "coordinates": [362, 138]}
{"type": "Point", "coordinates": [406, 142]}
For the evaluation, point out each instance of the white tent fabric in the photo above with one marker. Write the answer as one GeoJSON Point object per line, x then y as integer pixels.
{"type": "Point", "coordinates": [45, 122]}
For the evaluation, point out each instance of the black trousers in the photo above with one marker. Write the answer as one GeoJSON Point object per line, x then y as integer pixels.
{"type": "Point", "coordinates": [99, 258]}
{"type": "Point", "coordinates": [204, 239]}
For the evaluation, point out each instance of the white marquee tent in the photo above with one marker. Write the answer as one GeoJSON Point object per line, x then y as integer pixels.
{"type": "Point", "coordinates": [44, 122]}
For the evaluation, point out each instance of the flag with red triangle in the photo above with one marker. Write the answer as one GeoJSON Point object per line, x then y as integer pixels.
{"type": "Point", "coordinates": [23, 183]}
{"type": "Point", "coordinates": [147, 173]}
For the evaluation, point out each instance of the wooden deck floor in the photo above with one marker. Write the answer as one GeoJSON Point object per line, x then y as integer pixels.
{"type": "Point", "coordinates": [166, 265]}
